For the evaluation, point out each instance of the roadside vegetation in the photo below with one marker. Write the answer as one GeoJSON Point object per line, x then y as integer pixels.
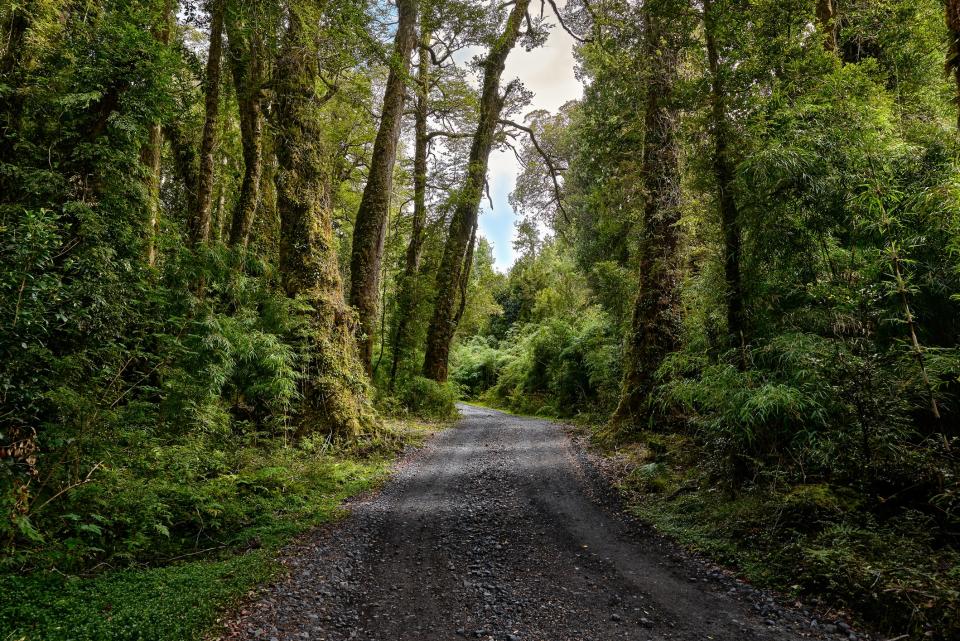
{"type": "Point", "coordinates": [754, 305]}
{"type": "Point", "coordinates": [239, 241]}
{"type": "Point", "coordinates": [159, 548]}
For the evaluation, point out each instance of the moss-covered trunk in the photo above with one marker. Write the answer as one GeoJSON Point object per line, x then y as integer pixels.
{"type": "Point", "coordinates": [151, 152]}
{"type": "Point", "coordinates": [723, 171]}
{"type": "Point", "coordinates": [443, 325]}
{"type": "Point", "coordinates": [953, 51]}
{"type": "Point", "coordinates": [371, 225]}
{"type": "Point", "coordinates": [656, 318]}
{"type": "Point", "coordinates": [407, 287]}
{"type": "Point", "coordinates": [247, 68]}
{"type": "Point", "coordinates": [826, 22]}
{"type": "Point", "coordinates": [334, 387]}
{"type": "Point", "coordinates": [14, 30]}
{"type": "Point", "coordinates": [200, 222]}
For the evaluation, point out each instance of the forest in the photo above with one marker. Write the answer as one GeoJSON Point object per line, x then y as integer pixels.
{"type": "Point", "coordinates": [241, 270]}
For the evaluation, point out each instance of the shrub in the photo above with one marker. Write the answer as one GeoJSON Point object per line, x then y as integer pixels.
{"type": "Point", "coordinates": [476, 365]}
{"type": "Point", "coordinates": [429, 399]}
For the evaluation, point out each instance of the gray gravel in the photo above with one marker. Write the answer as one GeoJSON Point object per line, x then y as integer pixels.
{"type": "Point", "coordinates": [500, 529]}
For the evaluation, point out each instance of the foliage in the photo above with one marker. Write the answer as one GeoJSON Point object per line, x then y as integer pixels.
{"type": "Point", "coordinates": [232, 508]}
{"type": "Point", "coordinates": [821, 541]}
{"type": "Point", "coordinates": [429, 399]}
{"type": "Point", "coordinates": [562, 361]}
{"type": "Point", "coordinates": [829, 420]}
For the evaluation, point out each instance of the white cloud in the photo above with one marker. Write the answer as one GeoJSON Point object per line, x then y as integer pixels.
{"type": "Point", "coordinates": [548, 72]}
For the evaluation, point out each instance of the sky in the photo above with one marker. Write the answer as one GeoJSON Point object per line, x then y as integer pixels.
{"type": "Point", "coordinates": [548, 72]}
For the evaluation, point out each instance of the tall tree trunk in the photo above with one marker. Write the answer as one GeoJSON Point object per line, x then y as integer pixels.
{"type": "Point", "coordinates": [14, 31]}
{"type": "Point", "coordinates": [200, 226]}
{"type": "Point", "coordinates": [184, 155]}
{"type": "Point", "coordinates": [465, 276]}
{"type": "Point", "coordinates": [334, 387]}
{"type": "Point", "coordinates": [371, 225]}
{"type": "Point", "coordinates": [151, 152]}
{"type": "Point", "coordinates": [247, 67]}
{"type": "Point", "coordinates": [407, 288]}
{"type": "Point", "coordinates": [219, 213]}
{"type": "Point", "coordinates": [656, 314]}
{"type": "Point", "coordinates": [724, 174]}
{"type": "Point", "coordinates": [150, 156]}
{"type": "Point", "coordinates": [443, 325]}
{"type": "Point", "coordinates": [953, 52]}
{"type": "Point", "coordinates": [826, 20]}
{"type": "Point", "coordinates": [13, 34]}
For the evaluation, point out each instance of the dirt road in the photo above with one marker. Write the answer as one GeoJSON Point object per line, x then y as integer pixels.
{"type": "Point", "coordinates": [498, 529]}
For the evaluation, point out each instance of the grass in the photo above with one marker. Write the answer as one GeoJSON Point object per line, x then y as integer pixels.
{"type": "Point", "coordinates": [818, 541]}
{"type": "Point", "coordinates": [273, 497]}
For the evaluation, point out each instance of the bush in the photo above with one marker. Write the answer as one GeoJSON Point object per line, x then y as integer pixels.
{"type": "Point", "coordinates": [558, 367]}
{"type": "Point", "coordinates": [476, 364]}
{"type": "Point", "coordinates": [809, 404]}
{"type": "Point", "coordinates": [427, 398]}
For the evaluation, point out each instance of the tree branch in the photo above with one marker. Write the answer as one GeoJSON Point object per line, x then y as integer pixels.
{"type": "Point", "coordinates": [554, 171]}
{"type": "Point", "coordinates": [563, 25]}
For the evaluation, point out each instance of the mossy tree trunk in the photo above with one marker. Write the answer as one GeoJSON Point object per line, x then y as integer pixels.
{"type": "Point", "coordinates": [953, 51]}
{"type": "Point", "coordinates": [151, 152]}
{"type": "Point", "coordinates": [826, 22]}
{"type": "Point", "coordinates": [656, 320]}
{"type": "Point", "coordinates": [14, 30]}
{"type": "Point", "coordinates": [200, 223]}
{"type": "Point", "coordinates": [370, 229]}
{"type": "Point", "coordinates": [334, 387]}
{"type": "Point", "coordinates": [247, 66]}
{"type": "Point", "coordinates": [466, 208]}
{"type": "Point", "coordinates": [723, 171]}
{"type": "Point", "coordinates": [407, 287]}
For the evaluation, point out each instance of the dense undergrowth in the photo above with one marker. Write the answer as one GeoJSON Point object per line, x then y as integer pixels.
{"type": "Point", "coordinates": [883, 558]}
{"type": "Point", "coordinates": [158, 551]}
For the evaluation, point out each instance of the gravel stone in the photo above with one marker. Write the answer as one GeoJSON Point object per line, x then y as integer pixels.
{"type": "Point", "coordinates": [502, 528]}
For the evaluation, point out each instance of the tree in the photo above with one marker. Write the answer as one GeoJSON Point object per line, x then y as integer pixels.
{"type": "Point", "coordinates": [370, 228]}
{"type": "Point", "coordinates": [335, 391]}
{"type": "Point", "coordinates": [200, 223]}
{"type": "Point", "coordinates": [953, 50]}
{"type": "Point", "coordinates": [246, 24]}
{"type": "Point", "coordinates": [445, 104]}
{"type": "Point", "coordinates": [826, 19]}
{"type": "Point", "coordinates": [655, 327]}
{"type": "Point", "coordinates": [724, 174]}
{"type": "Point", "coordinates": [151, 152]}
{"type": "Point", "coordinates": [406, 288]}
{"type": "Point", "coordinates": [461, 231]}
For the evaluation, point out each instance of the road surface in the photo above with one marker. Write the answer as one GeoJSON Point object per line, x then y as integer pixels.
{"type": "Point", "coordinates": [499, 529]}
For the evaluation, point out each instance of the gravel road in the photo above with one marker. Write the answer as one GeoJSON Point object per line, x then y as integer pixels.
{"type": "Point", "coordinates": [499, 529]}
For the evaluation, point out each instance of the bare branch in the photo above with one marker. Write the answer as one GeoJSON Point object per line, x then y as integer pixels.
{"type": "Point", "coordinates": [446, 134]}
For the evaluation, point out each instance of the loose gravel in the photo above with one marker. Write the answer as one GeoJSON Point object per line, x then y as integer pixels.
{"type": "Point", "coordinates": [500, 529]}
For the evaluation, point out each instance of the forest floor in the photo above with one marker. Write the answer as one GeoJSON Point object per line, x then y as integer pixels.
{"type": "Point", "coordinates": [502, 529]}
